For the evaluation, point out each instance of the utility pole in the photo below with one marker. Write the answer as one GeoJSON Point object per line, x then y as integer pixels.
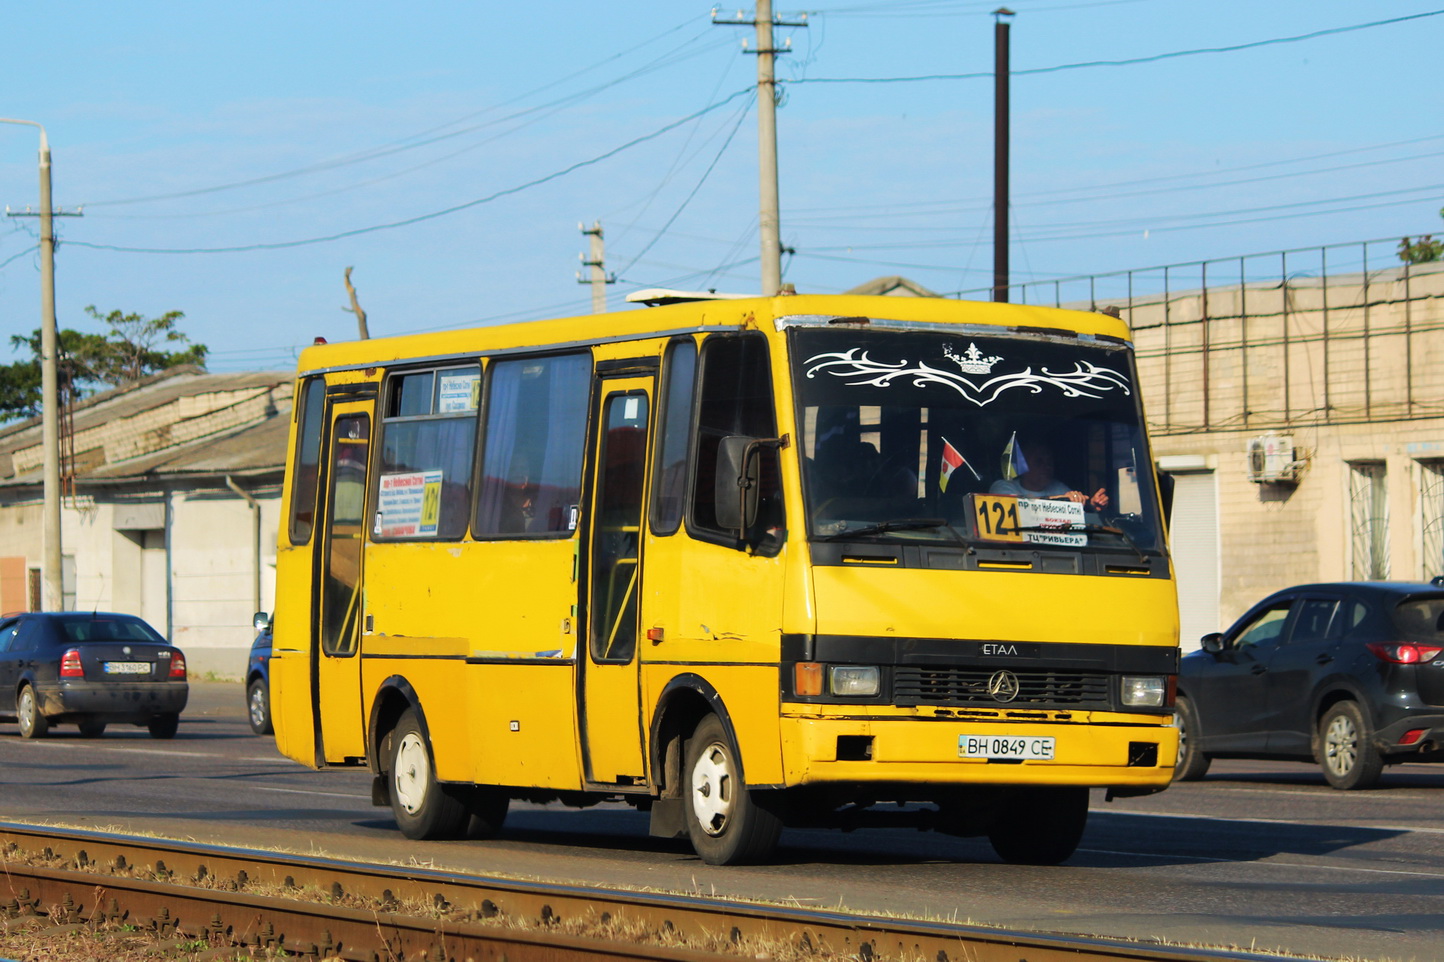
{"type": "Point", "coordinates": [599, 278]}
{"type": "Point", "coordinates": [768, 218]}
{"type": "Point", "coordinates": [1000, 154]}
{"type": "Point", "coordinates": [52, 590]}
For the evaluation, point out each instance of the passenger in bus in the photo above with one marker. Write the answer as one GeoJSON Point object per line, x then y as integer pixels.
{"type": "Point", "coordinates": [856, 469]}
{"type": "Point", "coordinates": [518, 504]}
{"type": "Point", "coordinates": [1035, 479]}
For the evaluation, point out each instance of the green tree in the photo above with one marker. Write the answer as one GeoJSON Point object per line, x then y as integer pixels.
{"type": "Point", "coordinates": [87, 362]}
{"type": "Point", "coordinates": [131, 350]}
{"type": "Point", "coordinates": [1422, 251]}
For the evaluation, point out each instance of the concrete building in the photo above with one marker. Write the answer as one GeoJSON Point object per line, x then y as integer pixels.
{"type": "Point", "coordinates": [170, 512]}
{"type": "Point", "coordinates": [1303, 420]}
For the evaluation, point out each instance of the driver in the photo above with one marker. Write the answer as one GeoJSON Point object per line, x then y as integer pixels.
{"type": "Point", "coordinates": [1035, 480]}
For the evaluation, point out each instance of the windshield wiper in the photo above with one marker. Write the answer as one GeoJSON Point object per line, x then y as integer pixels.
{"type": "Point", "coordinates": [1072, 527]}
{"type": "Point", "coordinates": [899, 524]}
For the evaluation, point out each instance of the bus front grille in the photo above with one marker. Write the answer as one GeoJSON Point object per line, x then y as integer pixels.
{"type": "Point", "coordinates": [968, 686]}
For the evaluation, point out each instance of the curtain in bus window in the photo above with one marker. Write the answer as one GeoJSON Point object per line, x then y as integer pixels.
{"type": "Point", "coordinates": [535, 435]}
{"type": "Point", "coordinates": [439, 452]}
{"type": "Point", "coordinates": [428, 445]}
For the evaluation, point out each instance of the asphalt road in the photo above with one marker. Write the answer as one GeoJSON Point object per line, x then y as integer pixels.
{"type": "Point", "coordinates": [1258, 855]}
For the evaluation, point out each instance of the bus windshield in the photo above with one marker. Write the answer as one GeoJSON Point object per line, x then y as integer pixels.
{"type": "Point", "coordinates": [1008, 438]}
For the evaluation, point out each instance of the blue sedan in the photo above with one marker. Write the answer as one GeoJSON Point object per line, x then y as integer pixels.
{"type": "Point", "coordinates": [258, 678]}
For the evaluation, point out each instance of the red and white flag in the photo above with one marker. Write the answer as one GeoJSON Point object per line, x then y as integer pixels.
{"type": "Point", "coordinates": [952, 460]}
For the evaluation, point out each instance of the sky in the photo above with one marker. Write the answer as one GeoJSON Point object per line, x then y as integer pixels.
{"type": "Point", "coordinates": [232, 160]}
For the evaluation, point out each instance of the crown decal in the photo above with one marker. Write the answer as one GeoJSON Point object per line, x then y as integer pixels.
{"type": "Point", "coordinates": [972, 360]}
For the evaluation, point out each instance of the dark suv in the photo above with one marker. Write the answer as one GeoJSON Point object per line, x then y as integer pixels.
{"type": "Point", "coordinates": [1350, 675]}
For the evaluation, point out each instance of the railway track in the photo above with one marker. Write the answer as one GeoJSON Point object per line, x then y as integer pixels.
{"type": "Point", "coordinates": [311, 907]}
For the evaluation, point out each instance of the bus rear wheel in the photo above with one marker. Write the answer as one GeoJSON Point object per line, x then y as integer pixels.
{"type": "Point", "coordinates": [724, 821]}
{"type": "Point", "coordinates": [424, 808]}
{"type": "Point", "coordinates": [1040, 826]}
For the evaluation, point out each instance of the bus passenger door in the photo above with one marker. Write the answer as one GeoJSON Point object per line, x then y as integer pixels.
{"type": "Point", "coordinates": [336, 637]}
{"type": "Point", "coordinates": [611, 701]}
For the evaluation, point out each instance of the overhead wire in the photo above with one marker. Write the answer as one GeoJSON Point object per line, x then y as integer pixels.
{"type": "Point", "coordinates": [934, 208]}
{"type": "Point", "coordinates": [411, 142]}
{"type": "Point", "coordinates": [741, 116]}
{"type": "Point", "coordinates": [1126, 62]}
{"type": "Point", "coordinates": [432, 215]}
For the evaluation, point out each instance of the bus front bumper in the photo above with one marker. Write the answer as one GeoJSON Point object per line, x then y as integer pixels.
{"type": "Point", "coordinates": [1106, 751]}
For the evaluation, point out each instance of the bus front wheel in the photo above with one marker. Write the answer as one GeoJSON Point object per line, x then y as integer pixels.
{"type": "Point", "coordinates": [1040, 826]}
{"type": "Point", "coordinates": [424, 808]}
{"type": "Point", "coordinates": [726, 824]}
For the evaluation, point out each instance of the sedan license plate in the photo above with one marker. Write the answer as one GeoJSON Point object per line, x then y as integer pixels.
{"type": "Point", "coordinates": [1009, 747]}
{"type": "Point", "coordinates": [127, 668]}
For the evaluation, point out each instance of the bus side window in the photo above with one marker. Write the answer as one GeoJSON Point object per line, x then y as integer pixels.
{"type": "Point", "coordinates": [735, 399]}
{"type": "Point", "coordinates": [428, 440]}
{"type": "Point", "coordinates": [308, 461]}
{"type": "Point", "coordinates": [535, 439]}
{"type": "Point", "coordinates": [669, 487]}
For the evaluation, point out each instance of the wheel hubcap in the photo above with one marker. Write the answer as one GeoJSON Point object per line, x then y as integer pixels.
{"type": "Point", "coordinates": [413, 771]}
{"type": "Point", "coordinates": [1341, 745]}
{"type": "Point", "coordinates": [258, 706]}
{"type": "Point", "coordinates": [27, 711]}
{"type": "Point", "coordinates": [712, 785]}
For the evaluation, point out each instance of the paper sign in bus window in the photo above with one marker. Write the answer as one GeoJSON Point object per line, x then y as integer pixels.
{"type": "Point", "coordinates": [458, 393]}
{"type": "Point", "coordinates": [1004, 517]}
{"type": "Point", "coordinates": [409, 505]}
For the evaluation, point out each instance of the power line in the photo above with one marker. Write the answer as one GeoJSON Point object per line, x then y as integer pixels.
{"type": "Point", "coordinates": [850, 221]}
{"type": "Point", "coordinates": [1131, 61]}
{"type": "Point", "coordinates": [279, 245]}
{"type": "Point", "coordinates": [16, 256]}
{"type": "Point", "coordinates": [402, 144]}
{"type": "Point", "coordinates": [930, 8]}
{"type": "Point", "coordinates": [952, 207]}
{"type": "Point", "coordinates": [741, 116]}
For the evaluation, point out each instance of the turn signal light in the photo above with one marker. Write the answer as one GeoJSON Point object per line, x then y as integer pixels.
{"type": "Point", "coordinates": [70, 666]}
{"type": "Point", "coordinates": [1404, 653]}
{"type": "Point", "coordinates": [177, 665]}
{"type": "Point", "coordinates": [807, 678]}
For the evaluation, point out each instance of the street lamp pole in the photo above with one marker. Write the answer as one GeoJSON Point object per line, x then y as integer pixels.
{"type": "Point", "coordinates": [52, 591]}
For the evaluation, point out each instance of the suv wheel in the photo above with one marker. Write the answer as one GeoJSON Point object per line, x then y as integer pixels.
{"type": "Point", "coordinates": [1346, 748]}
{"type": "Point", "coordinates": [1192, 763]}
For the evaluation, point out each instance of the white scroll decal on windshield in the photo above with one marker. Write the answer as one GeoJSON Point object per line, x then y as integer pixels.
{"type": "Point", "coordinates": [1085, 380]}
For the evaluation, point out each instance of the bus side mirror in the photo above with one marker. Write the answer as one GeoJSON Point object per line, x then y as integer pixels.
{"type": "Point", "coordinates": [1165, 491]}
{"type": "Point", "coordinates": [734, 491]}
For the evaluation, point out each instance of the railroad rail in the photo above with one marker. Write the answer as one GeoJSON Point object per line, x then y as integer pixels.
{"type": "Point", "coordinates": [329, 908]}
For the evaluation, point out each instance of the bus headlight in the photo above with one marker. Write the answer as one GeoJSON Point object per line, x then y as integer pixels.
{"type": "Point", "coordinates": [854, 680]}
{"type": "Point", "coordinates": [1144, 691]}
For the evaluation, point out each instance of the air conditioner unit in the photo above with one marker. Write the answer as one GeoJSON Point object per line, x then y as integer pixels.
{"type": "Point", "coordinates": [1271, 459]}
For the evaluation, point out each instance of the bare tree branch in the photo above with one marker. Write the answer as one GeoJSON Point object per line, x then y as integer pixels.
{"type": "Point", "coordinates": [355, 307]}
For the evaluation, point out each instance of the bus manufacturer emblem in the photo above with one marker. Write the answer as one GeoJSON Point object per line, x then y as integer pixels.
{"type": "Point", "coordinates": [1003, 686]}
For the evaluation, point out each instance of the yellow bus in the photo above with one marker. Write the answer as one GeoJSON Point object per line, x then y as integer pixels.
{"type": "Point", "coordinates": [739, 563]}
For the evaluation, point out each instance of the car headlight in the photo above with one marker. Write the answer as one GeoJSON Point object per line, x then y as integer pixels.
{"type": "Point", "coordinates": [1144, 691]}
{"type": "Point", "coordinates": [854, 679]}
